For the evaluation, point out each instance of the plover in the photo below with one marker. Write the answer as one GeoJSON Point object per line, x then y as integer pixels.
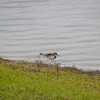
{"type": "Point", "coordinates": [50, 56]}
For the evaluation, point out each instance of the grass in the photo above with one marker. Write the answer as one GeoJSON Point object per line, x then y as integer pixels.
{"type": "Point", "coordinates": [36, 81]}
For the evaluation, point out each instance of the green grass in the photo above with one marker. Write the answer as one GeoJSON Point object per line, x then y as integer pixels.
{"type": "Point", "coordinates": [43, 82]}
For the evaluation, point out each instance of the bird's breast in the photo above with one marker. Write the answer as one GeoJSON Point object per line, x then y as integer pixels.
{"type": "Point", "coordinates": [51, 57]}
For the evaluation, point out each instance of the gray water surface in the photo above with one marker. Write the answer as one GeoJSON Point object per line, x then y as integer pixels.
{"type": "Point", "coordinates": [69, 27]}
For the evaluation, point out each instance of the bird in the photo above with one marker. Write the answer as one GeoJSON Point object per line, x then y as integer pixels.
{"type": "Point", "coordinates": [50, 56]}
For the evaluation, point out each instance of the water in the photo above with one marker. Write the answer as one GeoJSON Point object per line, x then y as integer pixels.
{"type": "Point", "coordinates": [70, 28]}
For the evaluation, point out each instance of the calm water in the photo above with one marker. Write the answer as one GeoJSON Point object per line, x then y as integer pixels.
{"type": "Point", "coordinates": [69, 27]}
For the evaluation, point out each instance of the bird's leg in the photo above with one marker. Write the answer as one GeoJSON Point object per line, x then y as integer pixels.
{"type": "Point", "coordinates": [52, 60]}
{"type": "Point", "coordinates": [55, 62]}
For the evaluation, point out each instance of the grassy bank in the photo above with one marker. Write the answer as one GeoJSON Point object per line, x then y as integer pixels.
{"type": "Point", "coordinates": [36, 81]}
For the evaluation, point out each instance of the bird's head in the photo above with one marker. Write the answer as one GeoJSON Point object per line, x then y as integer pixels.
{"type": "Point", "coordinates": [55, 53]}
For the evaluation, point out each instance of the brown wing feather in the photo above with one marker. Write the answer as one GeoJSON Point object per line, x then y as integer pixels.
{"type": "Point", "coordinates": [49, 54]}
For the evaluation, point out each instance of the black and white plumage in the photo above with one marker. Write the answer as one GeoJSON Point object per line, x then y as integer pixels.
{"type": "Point", "coordinates": [50, 56]}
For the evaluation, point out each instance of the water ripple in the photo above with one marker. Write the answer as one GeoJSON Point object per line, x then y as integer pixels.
{"type": "Point", "coordinates": [32, 26]}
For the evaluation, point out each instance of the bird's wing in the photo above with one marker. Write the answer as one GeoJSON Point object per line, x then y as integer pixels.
{"type": "Point", "coordinates": [49, 54]}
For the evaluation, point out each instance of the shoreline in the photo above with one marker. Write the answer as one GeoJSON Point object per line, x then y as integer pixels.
{"type": "Point", "coordinates": [29, 65]}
